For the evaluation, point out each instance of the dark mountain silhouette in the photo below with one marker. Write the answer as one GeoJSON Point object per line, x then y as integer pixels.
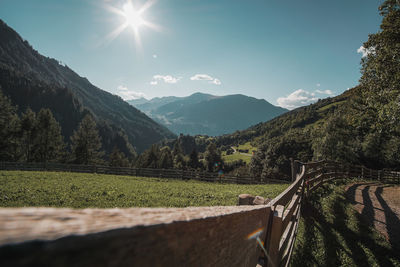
{"type": "Point", "coordinates": [208, 114]}
{"type": "Point", "coordinates": [35, 81]}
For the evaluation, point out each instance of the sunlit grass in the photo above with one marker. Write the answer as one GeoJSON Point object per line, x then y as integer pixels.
{"type": "Point", "coordinates": [236, 156]}
{"type": "Point", "coordinates": [78, 190]}
{"type": "Point", "coordinates": [247, 146]}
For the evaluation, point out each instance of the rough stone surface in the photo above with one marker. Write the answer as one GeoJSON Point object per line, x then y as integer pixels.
{"type": "Point", "coordinates": [258, 200]}
{"type": "Point", "coordinates": [202, 236]}
{"type": "Point", "coordinates": [246, 199]}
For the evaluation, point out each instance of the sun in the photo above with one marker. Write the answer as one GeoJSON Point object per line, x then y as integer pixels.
{"type": "Point", "coordinates": [133, 18]}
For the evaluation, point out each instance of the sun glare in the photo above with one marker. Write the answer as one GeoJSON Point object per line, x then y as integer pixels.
{"type": "Point", "coordinates": [133, 18]}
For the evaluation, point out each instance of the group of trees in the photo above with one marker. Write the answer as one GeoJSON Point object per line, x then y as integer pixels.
{"type": "Point", "coordinates": [163, 157]}
{"type": "Point", "coordinates": [367, 129]}
{"type": "Point", "coordinates": [36, 137]}
{"type": "Point", "coordinates": [360, 126]}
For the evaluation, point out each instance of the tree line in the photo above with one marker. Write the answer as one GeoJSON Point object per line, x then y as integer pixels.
{"type": "Point", "coordinates": [36, 137]}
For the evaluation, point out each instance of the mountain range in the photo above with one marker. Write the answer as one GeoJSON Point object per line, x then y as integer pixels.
{"type": "Point", "coordinates": [208, 114]}
{"type": "Point", "coordinates": [35, 81]}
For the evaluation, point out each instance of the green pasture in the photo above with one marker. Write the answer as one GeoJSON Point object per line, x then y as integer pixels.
{"type": "Point", "coordinates": [79, 190]}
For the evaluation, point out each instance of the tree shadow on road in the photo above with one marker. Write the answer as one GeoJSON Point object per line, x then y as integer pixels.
{"type": "Point", "coordinates": [392, 221]}
{"type": "Point", "coordinates": [334, 234]}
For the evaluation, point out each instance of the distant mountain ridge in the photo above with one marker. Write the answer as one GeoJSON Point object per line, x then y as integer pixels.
{"type": "Point", "coordinates": [35, 81]}
{"type": "Point", "coordinates": [208, 114]}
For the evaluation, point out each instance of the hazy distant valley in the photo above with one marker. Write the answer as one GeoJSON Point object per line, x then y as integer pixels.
{"type": "Point", "coordinates": [208, 114]}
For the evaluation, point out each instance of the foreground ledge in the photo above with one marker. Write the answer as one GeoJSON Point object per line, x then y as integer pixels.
{"type": "Point", "coordinates": [196, 236]}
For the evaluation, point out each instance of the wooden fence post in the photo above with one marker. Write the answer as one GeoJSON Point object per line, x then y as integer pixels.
{"type": "Point", "coordinates": [276, 234]}
{"type": "Point", "coordinates": [293, 169]}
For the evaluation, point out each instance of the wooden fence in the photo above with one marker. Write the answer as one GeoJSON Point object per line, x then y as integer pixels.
{"type": "Point", "coordinates": [143, 172]}
{"type": "Point", "coordinates": [205, 236]}
{"type": "Point", "coordinates": [285, 208]}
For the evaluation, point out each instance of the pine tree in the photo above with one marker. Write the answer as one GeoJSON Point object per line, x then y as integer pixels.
{"type": "Point", "coordinates": [194, 159]}
{"type": "Point", "coordinates": [177, 149]}
{"type": "Point", "coordinates": [153, 157]}
{"type": "Point", "coordinates": [86, 143]}
{"type": "Point", "coordinates": [118, 159]}
{"type": "Point", "coordinates": [15, 138]}
{"type": "Point", "coordinates": [28, 134]}
{"type": "Point", "coordinates": [49, 144]}
{"type": "Point", "coordinates": [179, 161]}
{"type": "Point", "coordinates": [166, 160]}
{"type": "Point", "coordinates": [8, 122]}
{"type": "Point", "coordinates": [212, 157]}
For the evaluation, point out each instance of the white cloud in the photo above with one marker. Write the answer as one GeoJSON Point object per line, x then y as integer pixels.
{"type": "Point", "coordinates": [155, 56]}
{"type": "Point", "coordinates": [296, 99]}
{"type": "Point", "coordinates": [324, 92]}
{"type": "Point", "coordinates": [302, 97]}
{"type": "Point", "coordinates": [122, 88]}
{"type": "Point", "coordinates": [205, 77]}
{"type": "Point", "coordinates": [127, 94]}
{"type": "Point", "coordinates": [165, 78]}
{"type": "Point", "coordinates": [201, 77]}
{"type": "Point", "coordinates": [364, 51]}
{"type": "Point", "coordinates": [153, 82]}
{"type": "Point", "coordinates": [318, 85]}
{"type": "Point", "coordinates": [216, 82]}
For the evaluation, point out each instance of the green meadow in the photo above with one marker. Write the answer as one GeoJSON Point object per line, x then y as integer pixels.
{"type": "Point", "coordinates": [79, 190]}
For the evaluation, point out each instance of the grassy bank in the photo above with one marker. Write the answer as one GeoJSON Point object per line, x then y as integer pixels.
{"type": "Point", "coordinates": [332, 233]}
{"type": "Point", "coordinates": [79, 190]}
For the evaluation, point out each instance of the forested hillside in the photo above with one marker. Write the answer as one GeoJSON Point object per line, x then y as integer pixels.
{"type": "Point", "coordinates": [32, 80]}
{"type": "Point", "coordinates": [361, 126]}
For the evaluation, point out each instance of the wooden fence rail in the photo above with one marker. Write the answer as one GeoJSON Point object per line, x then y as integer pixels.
{"type": "Point", "coordinates": [143, 172]}
{"type": "Point", "coordinates": [281, 229]}
{"type": "Point", "coordinates": [205, 236]}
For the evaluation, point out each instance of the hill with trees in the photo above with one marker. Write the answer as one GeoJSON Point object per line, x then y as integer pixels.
{"type": "Point", "coordinates": [361, 126]}
{"type": "Point", "coordinates": [208, 114]}
{"type": "Point", "coordinates": [33, 81]}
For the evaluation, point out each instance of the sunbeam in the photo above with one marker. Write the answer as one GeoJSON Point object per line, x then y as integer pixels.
{"type": "Point", "coordinates": [133, 19]}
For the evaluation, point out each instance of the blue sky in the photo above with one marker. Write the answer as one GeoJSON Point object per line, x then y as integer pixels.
{"type": "Point", "coordinates": [287, 52]}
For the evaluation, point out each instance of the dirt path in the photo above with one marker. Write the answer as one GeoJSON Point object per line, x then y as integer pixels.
{"type": "Point", "coordinates": [380, 206]}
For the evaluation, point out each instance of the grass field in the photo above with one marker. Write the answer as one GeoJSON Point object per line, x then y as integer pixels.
{"type": "Point", "coordinates": [332, 233]}
{"type": "Point", "coordinates": [247, 146]}
{"type": "Point", "coordinates": [237, 155]}
{"type": "Point", "coordinates": [78, 190]}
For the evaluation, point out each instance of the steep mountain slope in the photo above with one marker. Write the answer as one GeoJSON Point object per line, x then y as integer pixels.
{"type": "Point", "coordinates": [32, 80]}
{"type": "Point", "coordinates": [342, 128]}
{"type": "Point", "coordinates": [210, 115]}
{"type": "Point", "coordinates": [303, 118]}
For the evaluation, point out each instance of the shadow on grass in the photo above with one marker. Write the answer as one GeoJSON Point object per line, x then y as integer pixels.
{"type": "Point", "coordinates": [345, 237]}
{"type": "Point", "coordinates": [392, 221]}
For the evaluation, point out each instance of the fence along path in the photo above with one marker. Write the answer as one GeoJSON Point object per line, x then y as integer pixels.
{"type": "Point", "coordinates": [142, 172]}
{"type": "Point", "coordinates": [205, 236]}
